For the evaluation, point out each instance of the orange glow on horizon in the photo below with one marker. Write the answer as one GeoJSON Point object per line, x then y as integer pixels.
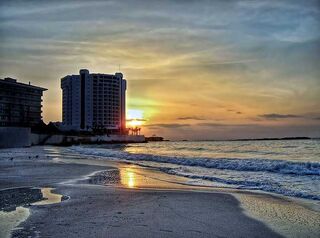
{"type": "Point", "coordinates": [135, 123]}
{"type": "Point", "coordinates": [135, 118]}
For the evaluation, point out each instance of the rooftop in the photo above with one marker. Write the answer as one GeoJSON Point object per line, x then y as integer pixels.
{"type": "Point", "coordinates": [12, 81]}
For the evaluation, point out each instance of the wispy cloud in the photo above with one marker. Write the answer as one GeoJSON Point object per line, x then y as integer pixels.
{"type": "Point", "coordinates": [275, 116]}
{"type": "Point", "coordinates": [209, 124]}
{"type": "Point", "coordinates": [191, 118]}
{"type": "Point", "coordinates": [169, 125]}
{"type": "Point", "coordinates": [142, 120]}
{"type": "Point", "coordinates": [185, 61]}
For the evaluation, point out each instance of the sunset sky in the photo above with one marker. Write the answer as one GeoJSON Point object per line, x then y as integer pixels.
{"type": "Point", "coordinates": [195, 69]}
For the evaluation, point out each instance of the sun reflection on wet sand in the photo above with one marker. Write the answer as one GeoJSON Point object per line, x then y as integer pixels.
{"type": "Point", "coordinates": [132, 176]}
{"type": "Point", "coordinates": [128, 177]}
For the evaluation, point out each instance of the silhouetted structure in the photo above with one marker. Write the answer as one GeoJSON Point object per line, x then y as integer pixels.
{"type": "Point", "coordinates": [94, 102]}
{"type": "Point", "coordinates": [154, 138]}
{"type": "Point", "coordinates": [20, 104]}
{"type": "Point", "coordinates": [135, 131]}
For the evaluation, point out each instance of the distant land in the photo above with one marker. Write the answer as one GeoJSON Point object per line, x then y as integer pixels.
{"type": "Point", "coordinates": [258, 139]}
{"type": "Point", "coordinates": [283, 138]}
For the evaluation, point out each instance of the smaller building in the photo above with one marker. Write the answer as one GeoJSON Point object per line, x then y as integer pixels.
{"type": "Point", "coordinates": [20, 104]}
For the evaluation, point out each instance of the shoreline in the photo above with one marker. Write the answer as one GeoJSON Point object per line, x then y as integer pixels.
{"type": "Point", "coordinates": [303, 211]}
{"type": "Point", "coordinates": [144, 184]}
{"type": "Point", "coordinates": [184, 181]}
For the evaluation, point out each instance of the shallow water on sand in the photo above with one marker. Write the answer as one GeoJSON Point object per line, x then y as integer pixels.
{"type": "Point", "coordinates": [13, 201]}
{"type": "Point", "coordinates": [287, 218]}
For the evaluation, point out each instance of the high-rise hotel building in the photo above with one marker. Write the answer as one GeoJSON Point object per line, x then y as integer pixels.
{"type": "Point", "coordinates": [94, 101]}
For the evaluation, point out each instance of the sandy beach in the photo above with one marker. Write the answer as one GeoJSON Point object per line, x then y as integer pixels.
{"type": "Point", "coordinates": [46, 192]}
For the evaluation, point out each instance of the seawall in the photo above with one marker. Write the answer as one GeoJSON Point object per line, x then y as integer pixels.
{"type": "Point", "coordinates": [15, 137]}
{"type": "Point", "coordinates": [11, 137]}
{"type": "Point", "coordinates": [64, 140]}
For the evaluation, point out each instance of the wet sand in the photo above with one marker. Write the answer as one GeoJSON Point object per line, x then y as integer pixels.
{"type": "Point", "coordinates": [122, 200]}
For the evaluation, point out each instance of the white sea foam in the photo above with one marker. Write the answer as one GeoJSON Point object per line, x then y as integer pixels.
{"type": "Point", "coordinates": [274, 166]}
{"type": "Point", "coordinates": [277, 167]}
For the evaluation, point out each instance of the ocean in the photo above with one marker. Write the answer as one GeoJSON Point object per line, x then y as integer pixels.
{"type": "Point", "coordinates": [286, 167]}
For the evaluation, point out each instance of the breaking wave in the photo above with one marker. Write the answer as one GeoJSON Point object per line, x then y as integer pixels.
{"type": "Point", "coordinates": [254, 164]}
{"type": "Point", "coordinates": [258, 171]}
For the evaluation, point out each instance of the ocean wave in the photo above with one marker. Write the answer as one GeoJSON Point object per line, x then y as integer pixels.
{"type": "Point", "coordinates": [254, 164]}
{"type": "Point", "coordinates": [252, 185]}
{"type": "Point", "coordinates": [289, 146]}
{"type": "Point", "coordinates": [253, 152]}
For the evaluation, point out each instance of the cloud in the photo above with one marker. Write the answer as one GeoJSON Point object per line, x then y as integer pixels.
{"type": "Point", "coordinates": [209, 124]}
{"type": "Point", "coordinates": [191, 118]}
{"type": "Point", "coordinates": [169, 125]}
{"type": "Point", "coordinates": [183, 60]}
{"type": "Point", "coordinates": [212, 124]}
{"type": "Point", "coordinates": [236, 112]}
{"type": "Point", "coordinates": [275, 116]}
{"type": "Point", "coordinates": [128, 120]}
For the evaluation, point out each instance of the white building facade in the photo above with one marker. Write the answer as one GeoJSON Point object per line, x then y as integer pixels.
{"type": "Point", "coordinates": [94, 101]}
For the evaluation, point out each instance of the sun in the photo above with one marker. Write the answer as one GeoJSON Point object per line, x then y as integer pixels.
{"type": "Point", "coordinates": [135, 123]}
{"type": "Point", "coordinates": [135, 118]}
